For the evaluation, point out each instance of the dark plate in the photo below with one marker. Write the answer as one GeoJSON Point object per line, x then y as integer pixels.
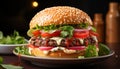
{"type": "Point", "coordinates": [58, 62]}
{"type": "Point", "coordinates": [8, 48]}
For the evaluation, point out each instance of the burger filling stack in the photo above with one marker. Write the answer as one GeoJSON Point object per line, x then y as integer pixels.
{"type": "Point", "coordinates": [62, 32]}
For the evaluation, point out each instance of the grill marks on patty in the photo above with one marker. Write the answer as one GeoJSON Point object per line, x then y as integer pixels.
{"type": "Point", "coordinates": [38, 41]}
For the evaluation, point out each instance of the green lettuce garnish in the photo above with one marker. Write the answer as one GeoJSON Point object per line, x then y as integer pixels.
{"type": "Point", "coordinates": [91, 51]}
{"type": "Point", "coordinates": [93, 29]}
{"type": "Point", "coordinates": [83, 25]}
{"type": "Point", "coordinates": [9, 66]}
{"type": "Point", "coordinates": [1, 60]}
{"type": "Point", "coordinates": [66, 31]}
{"type": "Point", "coordinates": [14, 38]}
{"type": "Point", "coordinates": [22, 50]}
{"type": "Point", "coordinates": [55, 27]}
{"type": "Point", "coordinates": [103, 49]}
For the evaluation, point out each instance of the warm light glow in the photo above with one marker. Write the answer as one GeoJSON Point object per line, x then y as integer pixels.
{"type": "Point", "coordinates": [35, 4]}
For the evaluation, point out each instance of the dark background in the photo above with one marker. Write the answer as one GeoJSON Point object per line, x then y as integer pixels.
{"type": "Point", "coordinates": [16, 14]}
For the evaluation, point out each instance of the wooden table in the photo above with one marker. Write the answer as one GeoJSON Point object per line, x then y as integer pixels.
{"type": "Point", "coordinates": [111, 63]}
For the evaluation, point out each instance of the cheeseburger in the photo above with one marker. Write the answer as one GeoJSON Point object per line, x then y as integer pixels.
{"type": "Point", "coordinates": [61, 32]}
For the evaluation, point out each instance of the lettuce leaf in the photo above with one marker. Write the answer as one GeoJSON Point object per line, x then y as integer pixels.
{"type": "Point", "coordinates": [67, 31]}
{"type": "Point", "coordinates": [22, 50]}
{"type": "Point", "coordinates": [9, 66]}
{"type": "Point", "coordinates": [91, 51]}
{"type": "Point", "coordinates": [103, 49]}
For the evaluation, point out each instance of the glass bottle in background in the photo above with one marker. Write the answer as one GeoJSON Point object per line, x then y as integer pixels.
{"type": "Point", "coordinates": [119, 7]}
{"type": "Point", "coordinates": [113, 24]}
{"type": "Point", "coordinates": [99, 25]}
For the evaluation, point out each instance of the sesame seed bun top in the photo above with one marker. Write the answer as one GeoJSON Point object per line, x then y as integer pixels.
{"type": "Point", "coordinates": [60, 15]}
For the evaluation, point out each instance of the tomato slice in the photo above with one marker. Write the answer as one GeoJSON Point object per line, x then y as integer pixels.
{"type": "Point", "coordinates": [36, 32]}
{"type": "Point", "coordinates": [45, 34]}
{"type": "Point", "coordinates": [93, 33]}
{"type": "Point", "coordinates": [45, 48]}
{"type": "Point", "coordinates": [32, 46]}
{"type": "Point", "coordinates": [77, 48]}
{"type": "Point", "coordinates": [81, 33]}
{"type": "Point", "coordinates": [54, 34]}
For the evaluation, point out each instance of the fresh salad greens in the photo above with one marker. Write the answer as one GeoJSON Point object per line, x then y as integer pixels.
{"type": "Point", "coordinates": [81, 57]}
{"type": "Point", "coordinates": [93, 29]}
{"type": "Point", "coordinates": [1, 60]}
{"type": "Point", "coordinates": [103, 49]}
{"type": "Point", "coordinates": [14, 38]}
{"type": "Point", "coordinates": [8, 66]}
{"type": "Point", "coordinates": [91, 51]}
{"type": "Point", "coordinates": [22, 50]}
{"type": "Point", "coordinates": [83, 25]}
{"type": "Point", "coordinates": [67, 31]}
{"type": "Point", "coordinates": [54, 27]}
{"type": "Point", "coordinates": [1, 34]}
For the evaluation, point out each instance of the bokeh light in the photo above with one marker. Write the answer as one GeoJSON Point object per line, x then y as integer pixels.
{"type": "Point", "coordinates": [35, 4]}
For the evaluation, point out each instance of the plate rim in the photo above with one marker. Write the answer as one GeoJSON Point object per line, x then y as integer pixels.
{"type": "Point", "coordinates": [50, 58]}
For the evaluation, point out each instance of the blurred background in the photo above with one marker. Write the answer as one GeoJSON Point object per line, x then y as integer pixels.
{"type": "Point", "coordinates": [16, 14]}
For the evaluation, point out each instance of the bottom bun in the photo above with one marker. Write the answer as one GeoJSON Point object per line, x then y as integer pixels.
{"type": "Point", "coordinates": [55, 54]}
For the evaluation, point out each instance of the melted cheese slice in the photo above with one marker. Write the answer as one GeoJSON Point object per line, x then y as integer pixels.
{"type": "Point", "coordinates": [57, 39]}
